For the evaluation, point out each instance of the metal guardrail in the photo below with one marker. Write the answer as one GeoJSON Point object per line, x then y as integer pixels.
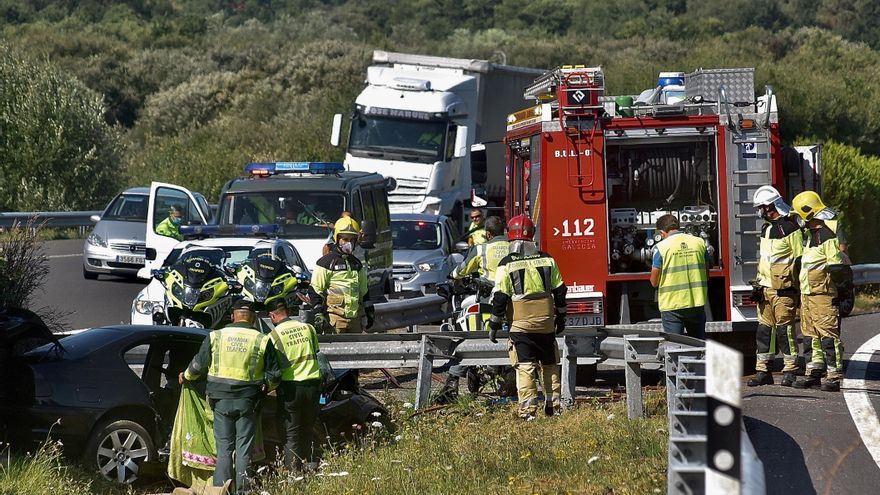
{"type": "Point", "coordinates": [53, 219]}
{"type": "Point", "coordinates": [866, 274]}
{"type": "Point", "coordinates": [404, 313]}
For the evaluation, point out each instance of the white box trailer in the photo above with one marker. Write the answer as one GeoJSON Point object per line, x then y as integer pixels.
{"type": "Point", "coordinates": [417, 119]}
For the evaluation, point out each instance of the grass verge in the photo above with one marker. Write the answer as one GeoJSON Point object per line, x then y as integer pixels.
{"type": "Point", "coordinates": [468, 447]}
{"type": "Point", "coordinates": [867, 299]}
{"type": "Point", "coordinates": [472, 448]}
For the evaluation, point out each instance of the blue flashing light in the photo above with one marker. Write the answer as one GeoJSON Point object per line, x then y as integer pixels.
{"type": "Point", "coordinates": [272, 168]}
{"type": "Point", "coordinates": [267, 229]}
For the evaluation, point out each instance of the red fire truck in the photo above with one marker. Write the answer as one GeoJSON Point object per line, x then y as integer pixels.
{"type": "Point", "coordinates": [595, 172]}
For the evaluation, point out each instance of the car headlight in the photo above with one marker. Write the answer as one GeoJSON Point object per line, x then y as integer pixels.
{"type": "Point", "coordinates": [144, 307]}
{"type": "Point", "coordinates": [96, 240]}
{"type": "Point", "coordinates": [430, 265]}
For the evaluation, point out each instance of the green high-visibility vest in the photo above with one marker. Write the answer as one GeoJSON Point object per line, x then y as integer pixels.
{"type": "Point", "coordinates": [238, 356]}
{"type": "Point", "coordinates": [168, 229]}
{"type": "Point", "coordinates": [297, 346]}
{"type": "Point", "coordinates": [478, 234]}
{"type": "Point", "coordinates": [683, 275]}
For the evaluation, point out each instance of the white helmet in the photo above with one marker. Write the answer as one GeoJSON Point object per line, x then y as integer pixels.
{"type": "Point", "coordinates": [768, 195]}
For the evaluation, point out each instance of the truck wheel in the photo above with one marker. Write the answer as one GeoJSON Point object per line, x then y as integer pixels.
{"type": "Point", "coordinates": [118, 449]}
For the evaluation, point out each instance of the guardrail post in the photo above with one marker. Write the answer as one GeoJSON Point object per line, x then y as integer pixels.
{"type": "Point", "coordinates": [569, 371]}
{"type": "Point", "coordinates": [633, 375]}
{"type": "Point", "coordinates": [423, 381]}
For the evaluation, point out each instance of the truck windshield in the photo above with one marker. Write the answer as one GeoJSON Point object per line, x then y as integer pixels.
{"type": "Point", "coordinates": [301, 214]}
{"type": "Point", "coordinates": [413, 140]}
{"type": "Point", "coordinates": [416, 235]}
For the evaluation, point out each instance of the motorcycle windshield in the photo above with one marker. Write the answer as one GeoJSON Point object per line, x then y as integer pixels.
{"type": "Point", "coordinates": [261, 290]}
{"type": "Point", "coordinates": [191, 296]}
{"type": "Point", "coordinates": [266, 268]}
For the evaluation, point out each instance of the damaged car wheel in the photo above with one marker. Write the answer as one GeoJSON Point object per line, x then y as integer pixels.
{"type": "Point", "coordinates": [119, 449]}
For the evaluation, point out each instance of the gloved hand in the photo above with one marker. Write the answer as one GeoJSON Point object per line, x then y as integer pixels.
{"type": "Point", "coordinates": [559, 323]}
{"type": "Point", "coordinates": [321, 322]}
{"type": "Point", "coordinates": [370, 312]}
{"type": "Point", "coordinates": [493, 331]}
{"type": "Point", "coordinates": [757, 294]}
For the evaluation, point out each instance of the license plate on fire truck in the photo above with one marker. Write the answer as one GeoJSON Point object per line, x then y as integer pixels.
{"type": "Point", "coordinates": [591, 320]}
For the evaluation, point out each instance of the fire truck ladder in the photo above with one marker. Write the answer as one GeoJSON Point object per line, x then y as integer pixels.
{"type": "Point", "coordinates": [576, 92]}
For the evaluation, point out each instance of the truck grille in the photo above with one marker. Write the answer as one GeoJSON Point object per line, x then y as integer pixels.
{"type": "Point", "coordinates": [409, 194]}
{"type": "Point", "coordinates": [403, 272]}
{"type": "Point", "coordinates": [585, 306]}
{"type": "Point", "coordinates": [129, 247]}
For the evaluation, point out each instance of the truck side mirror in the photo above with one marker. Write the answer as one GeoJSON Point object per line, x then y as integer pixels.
{"type": "Point", "coordinates": [368, 234]}
{"type": "Point", "coordinates": [461, 137]}
{"type": "Point", "coordinates": [336, 133]}
{"type": "Point", "coordinates": [462, 247]}
{"type": "Point", "coordinates": [478, 197]}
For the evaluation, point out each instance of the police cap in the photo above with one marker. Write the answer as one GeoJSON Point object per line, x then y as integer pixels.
{"type": "Point", "coordinates": [243, 305]}
{"type": "Point", "coordinates": [277, 305]}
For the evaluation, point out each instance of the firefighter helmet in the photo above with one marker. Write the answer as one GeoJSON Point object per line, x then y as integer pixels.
{"type": "Point", "coordinates": [765, 195]}
{"type": "Point", "coordinates": [520, 228]}
{"type": "Point", "coordinates": [345, 225]}
{"type": "Point", "coordinates": [808, 204]}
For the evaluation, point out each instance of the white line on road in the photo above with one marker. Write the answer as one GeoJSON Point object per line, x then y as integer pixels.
{"type": "Point", "coordinates": [857, 400]}
{"type": "Point", "coordinates": [53, 256]}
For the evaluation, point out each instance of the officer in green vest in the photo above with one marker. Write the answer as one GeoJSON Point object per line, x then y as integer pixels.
{"type": "Point", "coordinates": [300, 389]}
{"type": "Point", "coordinates": [340, 281]}
{"type": "Point", "coordinates": [484, 258]}
{"type": "Point", "coordinates": [823, 277]}
{"type": "Point", "coordinates": [170, 227]}
{"type": "Point", "coordinates": [775, 289]}
{"type": "Point", "coordinates": [530, 293]}
{"type": "Point", "coordinates": [476, 232]}
{"type": "Point", "coordinates": [679, 271]}
{"type": "Point", "coordinates": [241, 365]}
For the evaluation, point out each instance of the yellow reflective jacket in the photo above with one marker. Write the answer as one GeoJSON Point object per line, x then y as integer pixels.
{"type": "Point", "coordinates": [821, 251]}
{"type": "Point", "coordinates": [782, 243]}
{"type": "Point", "coordinates": [683, 277]}
{"type": "Point", "coordinates": [341, 280]}
{"type": "Point", "coordinates": [477, 234]}
{"type": "Point", "coordinates": [168, 229]}
{"type": "Point", "coordinates": [297, 346]}
{"type": "Point", "coordinates": [526, 288]}
{"type": "Point", "coordinates": [483, 259]}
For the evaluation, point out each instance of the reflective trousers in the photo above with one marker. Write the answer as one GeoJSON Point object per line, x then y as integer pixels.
{"type": "Point", "coordinates": [820, 325]}
{"type": "Point", "coordinates": [527, 383]}
{"type": "Point", "coordinates": [775, 328]}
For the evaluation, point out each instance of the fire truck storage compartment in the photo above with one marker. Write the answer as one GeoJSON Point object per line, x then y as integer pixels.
{"type": "Point", "coordinates": [647, 181]}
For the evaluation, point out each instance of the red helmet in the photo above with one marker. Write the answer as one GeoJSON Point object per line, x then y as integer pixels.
{"type": "Point", "coordinates": [520, 228]}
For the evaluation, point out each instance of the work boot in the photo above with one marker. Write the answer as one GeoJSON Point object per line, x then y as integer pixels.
{"type": "Point", "coordinates": [787, 379]}
{"type": "Point", "coordinates": [449, 393]}
{"type": "Point", "coordinates": [551, 411]}
{"type": "Point", "coordinates": [808, 381]}
{"type": "Point", "coordinates": [761, 378]}
{"type": "Point", "coordinates": [831, 386]}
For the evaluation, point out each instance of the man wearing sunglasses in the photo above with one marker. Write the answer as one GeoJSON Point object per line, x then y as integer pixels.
{"type": "Point", "coordinates": [476, 233]}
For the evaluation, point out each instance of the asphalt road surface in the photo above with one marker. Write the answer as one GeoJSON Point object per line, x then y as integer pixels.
{"type": "Point", "coordinates": [810, 441]}
{"type": "Point", "coordinates": [86, 303]}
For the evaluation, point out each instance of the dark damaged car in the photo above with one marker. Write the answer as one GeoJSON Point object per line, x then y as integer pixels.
{"type": "Point", "coordinates": [110, 394]}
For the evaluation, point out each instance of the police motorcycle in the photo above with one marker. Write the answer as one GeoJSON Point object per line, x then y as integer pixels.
{"type": "Point", "coordinates": [266, 278]}
{"type": "Point", "coordinates": [199, 289]}
{"type": "Point", "coordinates": [469, 297]}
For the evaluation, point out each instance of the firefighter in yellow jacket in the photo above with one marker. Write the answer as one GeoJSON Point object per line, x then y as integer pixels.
{"type": "Point", "coordinates": [530, 293]}
{"type": "Point", "coordinates": [775, 289]}
{"type": "Point", "coordinates": [823, 276]}
{"type": "Point", "coordinates": [340, 281]}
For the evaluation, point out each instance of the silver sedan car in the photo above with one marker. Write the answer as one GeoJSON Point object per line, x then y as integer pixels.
{"type": "Point", "coordinates": [424, 250]}
{"type": "Point", "coordinates": [116, 245]}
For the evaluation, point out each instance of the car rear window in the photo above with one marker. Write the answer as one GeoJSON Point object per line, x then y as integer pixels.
{"type": "Point", "coordinates": [74, 346]}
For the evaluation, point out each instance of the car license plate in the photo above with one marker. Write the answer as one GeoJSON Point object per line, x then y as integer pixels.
{"type": "Point", "coordinates": [398, 286]}
{"type": "Point", "coordinates": [131, 260]}
{"type": "Point", "coordinates": [584, 321]}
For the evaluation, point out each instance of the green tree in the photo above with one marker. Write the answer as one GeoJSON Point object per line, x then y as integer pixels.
{"type": "Point", "coordinates": [56, 151]}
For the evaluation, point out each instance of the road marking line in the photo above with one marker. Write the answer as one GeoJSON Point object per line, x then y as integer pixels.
{"type": "Point", "coordinates": [857, 400]}
{"type": "Point", "coordinates": [53, 256]}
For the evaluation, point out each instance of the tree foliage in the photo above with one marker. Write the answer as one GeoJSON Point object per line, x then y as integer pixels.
{"type": "Point", "coordinates": [56, 151]}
